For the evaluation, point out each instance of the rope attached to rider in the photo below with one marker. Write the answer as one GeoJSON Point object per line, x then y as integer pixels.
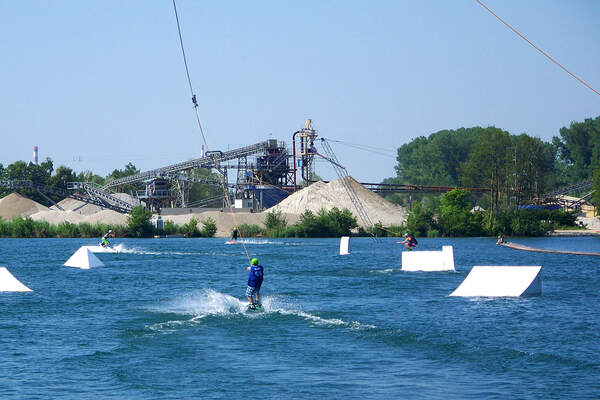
{"type": "Point", "coordinates": [201, 127]}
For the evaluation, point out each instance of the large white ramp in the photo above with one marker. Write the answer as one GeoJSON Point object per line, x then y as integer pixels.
{"type": "Point", "coordinates": [344, 245]}
{"type": "Point", "coordinates": [428, 260]}
{"type": "Point", "coordinates": [8, 283]}
{"type": "Point", "coordinates": [501, 281]}
{"type": "Point", "coordinates": [84, 259]}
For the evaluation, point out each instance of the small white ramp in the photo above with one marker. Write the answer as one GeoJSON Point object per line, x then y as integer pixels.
{"type": "Point", "coordinates": [344, 245]}
{"type": "Point", "coordinates": [429, 260]}
{"type": "Point", "coordinates": [84, 259]}
{"type": "Point", "coordinates": [501, 281]}
{"type": "Point", "coordinates": [100, 249]}
{"type": "Point", "coordinates": [8, 283]}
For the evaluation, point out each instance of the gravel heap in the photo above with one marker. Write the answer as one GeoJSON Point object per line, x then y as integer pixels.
{"type": "Point", "coordinates": [15, 205]}
{"type": "Point", "coordinates": [76, 211]}
{"type": "Point", "coordinates": [328, 195]}
{"type": "Point", "coordinates": [74, 217]}
{"type": "Point", "coordinates": [77, 206]}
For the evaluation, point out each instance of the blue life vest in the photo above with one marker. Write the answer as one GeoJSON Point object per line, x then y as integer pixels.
{"type": "Point", "coordinates": [255, 278]}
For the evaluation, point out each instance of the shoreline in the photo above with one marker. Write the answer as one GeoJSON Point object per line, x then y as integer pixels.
{"type": "Point", "coordinates": [584, 232]}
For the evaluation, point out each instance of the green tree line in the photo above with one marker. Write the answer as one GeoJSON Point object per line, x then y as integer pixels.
{"type": "Point", "coordinates": [454, 216]}
{"type": "Point", "coordinates": [332, 223]}
{"type": "Point", "coordinates": [514, 169]}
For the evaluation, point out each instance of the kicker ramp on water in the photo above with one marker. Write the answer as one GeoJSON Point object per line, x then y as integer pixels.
{"type": "Point", "coordinates": [100, 249]}
{"type": "Point", "coordinates": [8, 283]}
{"type": "Point", "coordinates": [344, 245]}
{"type": "Point", "coordinates": [501, 281]}
{"type": "Point", "coordinates": [429, 260]}
{"type": "Point", "coordinates": [84, 259]}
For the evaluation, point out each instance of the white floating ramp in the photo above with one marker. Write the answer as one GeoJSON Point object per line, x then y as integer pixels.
{"type": "Point", "coordinates": [344, 245]}
{"type": "Point", "coordinates": [8, 283]}
{"type": "Point", "coordinates": [428, 260]}
{"type": "Point", "coordinates": [100, 249]}
{"type": "Point", "coordinates": [501, 281]}
{"type": "Point", "coordinates": [84, 259]}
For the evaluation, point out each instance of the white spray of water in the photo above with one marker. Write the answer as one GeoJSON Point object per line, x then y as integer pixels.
{"type": "Point", "coordinates": [203, 303]}
{"type": "Point", "coordinates": [121, 248]}
{"type": "Point", "coordinates": [384, 271]}
{"type": "Point", "coordinates": [256, 241]}
{"type": "Point", "coordinates": [209, 302]}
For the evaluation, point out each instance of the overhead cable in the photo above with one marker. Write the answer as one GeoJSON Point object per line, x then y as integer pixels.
{"type": "Point", "coordinates": [537, 48]}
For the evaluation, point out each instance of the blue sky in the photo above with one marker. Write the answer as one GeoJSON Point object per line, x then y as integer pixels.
{"type": "Point", "coordinates": [97, 84]}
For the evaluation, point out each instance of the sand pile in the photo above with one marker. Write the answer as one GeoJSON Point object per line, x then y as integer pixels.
{"type": "Point", "coordinates": [77, 206]}
{"type": "Point", "coordinates": [74, 217]}
{"type": "Point", "coordinates": [76, 211]}
{"type": "Point", "coordinates": [84, 208]}
{"type": "Point", "coordinates": [56, 217]}
{"type": "Point", "coordinates": [106, 217]}
{"type": "Point", "coordinates": [15, 205]}
{"type": "Point", "coordinates": [328, 195]}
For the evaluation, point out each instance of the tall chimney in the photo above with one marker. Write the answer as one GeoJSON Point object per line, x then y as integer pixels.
{"type": "Point", "coordinates": [35, 155]}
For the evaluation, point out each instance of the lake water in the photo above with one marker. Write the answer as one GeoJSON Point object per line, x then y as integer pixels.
{"type": "Point", "coordinates": [163, 320]}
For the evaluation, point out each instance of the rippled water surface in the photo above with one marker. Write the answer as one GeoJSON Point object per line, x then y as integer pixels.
{"type": "Point", "coordinates": [163, 319]}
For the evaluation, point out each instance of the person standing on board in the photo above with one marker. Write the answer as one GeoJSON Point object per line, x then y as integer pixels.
{"type": "Point", "coordinates": [104, 242]}
{"type": "Point", "coordinates": [234, 234]}
{"type": "Point", "coordinates": [255, 280]}
{"type": "Point", "coordinates": [409, 241]}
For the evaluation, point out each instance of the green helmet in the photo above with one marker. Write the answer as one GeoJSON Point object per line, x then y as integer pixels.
{"type": "Point", "coordinates": [254, 261]}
